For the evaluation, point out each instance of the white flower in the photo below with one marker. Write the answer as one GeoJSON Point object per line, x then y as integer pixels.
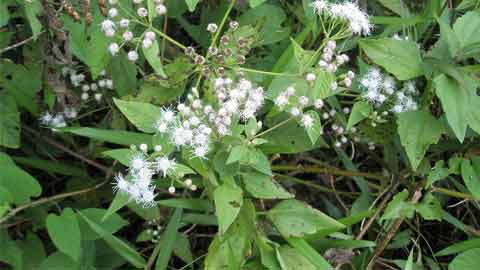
{"type": "Point", "coordinates": [310, 77]}
{"type": "Point", "coordinates": [349, 12]}
{"type": "Point", "coordinates": [143, 147]}
{"type": "Point", "coordinates": [212, 27]}
{"type": "Point", "coordinates": [161, 126]}
{"type": "Point", "coordinates": [164, 165]}
{"type": "Point", "coordinates": [107, 25]}
{"type": "Point", "coordinates": [109, 84]}
{"type": "Point", "coordinates": [181, 136]}
{"type": "Point", "coordinates": [124, 23]}
{"type": "Point", "coordinates": [307, 121]}
{"type": "Point", "coordinates": [281, 101]}
{"type": "Point", "coordinates": [94, 87]}
{"type": "Point", "coordinates": [113, 12]}
{"type": "Point", "coordinates": [157, 148]}
{"type": "Point", "coordinates": [142, 12]}
{"type": "Point", "coordinates": [137, 162]}
{"type": "Point", "coordinates": [84, 96]}
{"type": "Point", "coordinates": [318, 6]}
{"type": "Point", "coordinates": [200, 151]}
{"type": "Point", "coordinates": [46, 118]}
{"type": "Point", "coordinates": [150, 35]}
{"type": "Point", "coordinates": [171, 190]}
{"type": "Point", "coordinates": [85, 88]}
{"type": "Point", "coordinates": [132, 56]}
{"type": "Point", "coordinates": [295, 111]}
{"type": "Point", "coordinates": [127, 36]}
{"type": "Point", "coordinates": [120, 183]}
{"type": "Point", "coordinates": [161, 9]}
{"type": "Point", "coordinates": [113, 48]}
{"type": "Point", "coordinates": [303, 100]}
{"type": "Point", "coordinates": [147, 43]}
{"type": "Point", "coordinates": [101, 83]}
{"type": "Point", "coordinates": [290, 91]}
{"type": "Point", "coordinates": [112, 2]}
{"type": "Point", "coordinates": [110, 32]}
{"type": "Point", "coordinates": [318, 104]}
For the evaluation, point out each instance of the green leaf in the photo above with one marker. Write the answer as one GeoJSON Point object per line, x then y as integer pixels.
{"type": "Point", "coordinates": [65, 233]}
{"type": "Point", "coordinates": [360, 111]}
{"type": "Point", "coordinates": [238, 153]}
{"type": "Point", "coordinates": [124, 74]}
{"type": "Point", "coordinates": [191, 4]}
{"type": "Point", "coordinates": [236, 242]}
{"type": "Point", "coordinates": [293, 218]}
{"type": "Point", "coordinates": [314, 131]}
{"type": "Point", "coordinates": [32, 10]}
{"type": "Point", "coordinates": [437, 173]}
{"type": "Point", "coordinates": [400, 57]}
{"type": "Point", "coordinates": [112, 136]}
{"type": "Point", "coordinates": [473, 117]}
{"type": "Point", "coordinates": [418, 130]}
{"type": "Point", "coordinates": [124, 250]}
{"type": "Point", "coordinates": [118, 202]}
{"type": "Point", "coordinates": [459, 247]}
{"type": "Point", "coordinates": [192, 204]}
{"type": "Point", "coordinates": [471, 177]}
{"type": "Point", "coordinates": [153, 58]}
{"type": "Point", "coordinates": [59, 260]}
{"type": "Point", "coordinates": [292, 259]}
{"type": "Point", "coordinates": [167, 240]}
{"type": "Point", "coordinates": [447, 33]}
{"type": "Point", "coordinates": [256, 3]}
{"type": "Point", "coordinates": [33, 251]}
{"type": "Point", "coordinates": [9, 121]}
{"type": "Point", "coordinates": [455, 103]}
{"type": "Point", "coordinates": [310, 253]}
{"type": "Point", "coordinates": [399, 207]}
{"type": "Point", "coordinates": [18, 183]}
{"type": "Point", "coordinates": [398, 7]}
{"type": "Point", "coordinates": [142, 115]}
{"type": "Point", "coordinates": [228, 201]}
{"type": "Point", "coordinates": [121, 155]}
{"type": "Point", "coordinates": [264, 187]}
{"type": "Point", "coordinates": [468, 260]}
{"type": "Point", "coordinates": [112, 224]}
{"type": "Point", "coordinates": [430, 208]}
{"type": "Point", "coordinates": [466, 28]}
{"type": "Point", "coordinates": [4, 14]}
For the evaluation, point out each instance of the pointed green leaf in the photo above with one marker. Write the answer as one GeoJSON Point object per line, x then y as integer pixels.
{"type": "Point", "coordinates": [143, 115]}
{"type": "Point", "coordinates": [228, 201]}
{"type": "Point", "coordinates": [65, 233]}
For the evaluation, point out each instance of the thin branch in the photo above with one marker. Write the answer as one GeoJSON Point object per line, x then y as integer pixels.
{"type": "Point", "coordinates": [21, 42]}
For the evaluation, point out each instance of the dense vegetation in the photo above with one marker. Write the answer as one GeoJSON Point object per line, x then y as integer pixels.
{"type": "Point", "coordinates": [239, 134]}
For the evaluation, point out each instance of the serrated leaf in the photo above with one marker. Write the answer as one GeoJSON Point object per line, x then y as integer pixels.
{"type": "Point", "coordinates": [153, 58]}
{"type": "Point", "coordinates": [264, 187]}
{"type": "Point", "coordinates": [417, 131]}
{"type": "Point", "coordinates": [400, 57]}
{"type": "Point", "coordinates": [228, 201]}
{"type": "Point", "coordinates": [296, 219]}
{"type": "Point", "coordinates": [65, 233]}
{"type": "Point", "coordinates": [124, 250]}
{"type": "Point", "coordinates": [142, 115]}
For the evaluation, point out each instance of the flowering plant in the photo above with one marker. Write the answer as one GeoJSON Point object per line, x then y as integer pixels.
{"type": "Point", "coordinates": [187, 134]}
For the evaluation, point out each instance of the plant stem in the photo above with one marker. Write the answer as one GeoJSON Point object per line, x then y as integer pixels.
{"type": "Point", "coordinates": [168, 38]}
{"type": "Point", "coordinates": [274, 127]}
{"type": "Point", "coordinates": [267, 72]}
{"type": "Point", "coordinates": [452, 193]}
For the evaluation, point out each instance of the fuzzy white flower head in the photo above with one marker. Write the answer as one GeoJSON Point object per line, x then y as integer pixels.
{"type": "Point", "coordinates": [349, 12]}
{"type": "Point", "coordinates": [212, 27]}
{"type": "Point", "coordinates": [182, 136]}
{"type": "Point", "coordinates": [112, 13]}
{"type": "Point", "coordinates": [150, 35]}
{"type": "Point", "coordinates": [46, 118]}
{"type": "Point", "coordinates": [147, 43]}
{"type": "Point", "coordinates": [113, 48]}
{"type": "Point", "coordinates": [124, 23]}
{"type": "Point", "coordinates": [161, 9]}
{"type": "Point", "coordinates": [137, 162]}
{"type": "Point", "coordinates": [107, 25]}
{"type": "Point", "coordinates": [200, 151]}
{"type": "Point", "coordinates": [290, 91]}
{"type": "Point", "coordinates": [310, 77]}
{"type": "Point", "coordinates": [109, 84]}
{"type": "Point", "coordinates": [303, 100]}
{"type": "Point", "coordinates": [318, 104]}
{"type": "Point", "coordinates": [84, 96]}
{"type": "Point", "coordinates": [142, 12]}
{"type": "Point", "coordinates": [161, 126]}
{"type": "Point", "coordinates": [120, 183]}
{"type": "Point", "coordinates": [85, 88]}
{"type": "Point", "coordinates": [306, 121]}
{"type": "Point", "coordinates": [281, 101]}
{"type": "Point", "coordinates": [295, 111]}
{"type": "Point", "coordinates": [132, 56]}
{"type": "Point", "coordinates": [164, 165]}
{"type": "Point", "coordinates": [318, 6]}
{"type": "Point", "coordinates": [127, 35]}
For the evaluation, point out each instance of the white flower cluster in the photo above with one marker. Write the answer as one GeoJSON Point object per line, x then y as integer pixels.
{"type": "Point", "coordinates": [289, 102]}
{"type": "Point", "coordinates": [94, 88]}
{"type": "Point", "coordinates": [381, 89]}
{"type": "Point", "coordinates": [330, 62]}
{"type": "Point", "coordinates": [195, 123]}
{"type": "Point", "coordinates": [357, 20]}
{"type": "Point", "coordinates": [113, 24]}
{"type": "Point", "coordinates": [138, 184]}
{"type": "Point", "coordinates": [58, 120]}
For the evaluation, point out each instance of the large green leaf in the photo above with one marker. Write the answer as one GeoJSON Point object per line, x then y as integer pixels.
{"type": "Point", "coordinates": [153, 58]}
{"type": "Point", "coordinates": [471, 177]}
{"type": "Point", "coordinates": [168, 239]}
{"type": "Point", "coordinates": [468, 260]}
{"type": "Point", "coordinates": [123, 249]}
{"type": "Point", "coordinates": [9, 121]}
{"type": "Point", "coordinates": [466, 30]}
{"type": "Point", "coordinates": [455, 102]}
{"type": "Point", "coordinates": [65, 233]}
{"type": "Point", "coordinates": [33, 9]}
{"type": "Point", "coordinates": [297, 219]}
{"type": "Point", "coordinates": [111, 224]}
{"type": "Point", "coordinates": [400, 57]}
{"type": "Point", "coordinates": [264, 187]}
{"type": "Point", "coordinates": [294, 260]}
{"type": "Point", "coordinates": [360, 111]}
{"type": "Point", "coordinates": [228, 201]}
{"type": "Point", "coordinates": [18, 183]}
{"type": "Point", "coordinates": [418, 130]}
{"type": "Point", "coordinates": [459, 247]}
{"type": "Point", "coordinates": [142, 115]}
{"type": "Point", "coordinates": [124, 74]}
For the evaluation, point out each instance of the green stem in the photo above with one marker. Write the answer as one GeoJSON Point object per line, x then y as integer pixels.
{"type": "Point", "coordinates": [274, 127]}
{"type": "Point", "coordinates": [267, 72]}
{"type": "Point", "coordinates": [452, 193]}
{"type": "Point", "coordinates": [165, 36]}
